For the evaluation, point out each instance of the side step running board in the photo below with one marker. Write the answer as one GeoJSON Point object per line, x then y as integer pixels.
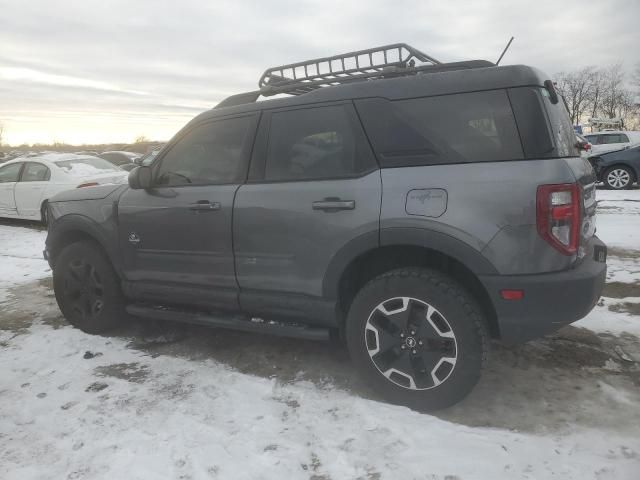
{"type": "Point", "coordinates": [232, 322]}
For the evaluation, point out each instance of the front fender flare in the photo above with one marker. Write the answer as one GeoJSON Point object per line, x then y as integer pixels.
{"type": "Point", "coordinates": [69, 224]}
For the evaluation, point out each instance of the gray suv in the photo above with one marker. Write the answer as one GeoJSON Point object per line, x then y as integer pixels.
{"type": "Point", "coordinates": [413, 208]}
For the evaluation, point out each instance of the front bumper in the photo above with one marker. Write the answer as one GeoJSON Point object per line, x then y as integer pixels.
{"type": "Point", "coordinates": [551, 300]}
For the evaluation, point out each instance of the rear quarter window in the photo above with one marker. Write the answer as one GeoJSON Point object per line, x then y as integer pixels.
{"type": "Point", "coordinates": [545, 127]}
{"type": "Point", "coordinates": [459, 128]}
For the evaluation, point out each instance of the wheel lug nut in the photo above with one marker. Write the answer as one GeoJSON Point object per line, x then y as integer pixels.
{"type": "Point", "coordinates": [413, 351]}
{"type": "Point", "coordinates": [419, 342]}
{"type": "Point", "coordinates": [402, 335]}
{"type": "Point", "coordinates": [403, 347]}
{"type": "Point", "coordinates": [413, 332]}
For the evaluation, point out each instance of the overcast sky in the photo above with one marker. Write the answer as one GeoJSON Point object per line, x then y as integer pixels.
{"type": "Point", "coordinates": [99, 71]}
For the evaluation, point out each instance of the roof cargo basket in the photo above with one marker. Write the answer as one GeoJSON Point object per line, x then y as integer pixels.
{"type": "Point", "coordinates": [398, 59]}
{"type": "Point", "coordinates": [302, 77]}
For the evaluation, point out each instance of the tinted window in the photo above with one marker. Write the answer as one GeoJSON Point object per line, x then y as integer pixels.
{"type": "Point", "coordinates": [211, 153]}
{"type": "Point", "coordinates": [35, 172]}
{"type": "Point", "coordinates": [592, 139]}
{"type": "Point", "coordinates": [469, 127]}
{"type": "Point", "coordinates": [322, 142]}
{"type": "Point", "coordinates": [545, 128]}
{"type": "Point", "coordinates": [615, 138]}
{"type": "Point", "coordinates": [9, 173]}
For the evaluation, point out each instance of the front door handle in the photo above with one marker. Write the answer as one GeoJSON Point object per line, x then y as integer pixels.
{"type": "Point", "coordinates": [205, 205]}
{"type": "Point", "coordinates": [333, 204]}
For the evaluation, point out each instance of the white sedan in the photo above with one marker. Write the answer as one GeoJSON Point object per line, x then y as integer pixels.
{"type": "Point", "coordinates": [26, 183]}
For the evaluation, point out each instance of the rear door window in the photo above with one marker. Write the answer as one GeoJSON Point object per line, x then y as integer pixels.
{"type": "Point", "coordinates": [35, 172]}
{"type": "Point", "coordinates": [316, 143]}
{"type": "Point", "coordinates": [460, 128]}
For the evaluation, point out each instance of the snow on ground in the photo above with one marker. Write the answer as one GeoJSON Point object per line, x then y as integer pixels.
{"type": "Point", "coordinates": [602, 319]}
{"type": "Point", "coordinates": [618, 221]}
{"type": "Point", "coordinates": [125, 412]}
{"type": "Point", "coordinates": [21, 257]}
{"type": "Point", "coordinates": [174, 418]}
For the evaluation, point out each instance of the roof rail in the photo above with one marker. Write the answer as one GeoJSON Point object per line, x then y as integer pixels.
{"type": "Point", "coordinates": [302, 77]}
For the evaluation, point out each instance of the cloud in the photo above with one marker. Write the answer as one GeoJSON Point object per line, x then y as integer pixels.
{"type": "Point", "coordinates": [146, 67]}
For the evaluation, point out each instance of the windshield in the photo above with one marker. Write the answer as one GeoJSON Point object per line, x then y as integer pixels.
{"type": "Point", "coordinates": [82, 167]}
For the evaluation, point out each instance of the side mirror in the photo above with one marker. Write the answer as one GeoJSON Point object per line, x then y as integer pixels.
{"type": "Point", "coordinates": [140, 178]}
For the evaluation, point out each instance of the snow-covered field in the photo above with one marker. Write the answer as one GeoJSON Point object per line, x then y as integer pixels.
{"type": "Point", "coordinates": [174, 401]}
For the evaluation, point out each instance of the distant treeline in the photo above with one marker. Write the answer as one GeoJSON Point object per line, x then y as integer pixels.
{"type": "Point", "coordinates": [138, 147]}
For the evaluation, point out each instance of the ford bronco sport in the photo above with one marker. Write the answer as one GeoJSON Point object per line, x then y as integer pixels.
{"type": "Point", "coordinates": [415, 208]}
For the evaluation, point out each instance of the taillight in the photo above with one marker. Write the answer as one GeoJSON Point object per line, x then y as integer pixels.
{"type": "Point", "coordinates": [88, 184]}
{"type": "Point", "coordinates": [558, 216]}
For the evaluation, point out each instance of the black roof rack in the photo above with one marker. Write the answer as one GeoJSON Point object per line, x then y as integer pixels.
{"type": "Point", "coordinates": [302, 77]}
{"type": "Point", "coordinates": [398, 59]}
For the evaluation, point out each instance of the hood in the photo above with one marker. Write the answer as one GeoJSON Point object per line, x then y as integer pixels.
{"type": "Point", "coordinates": [87, 193]}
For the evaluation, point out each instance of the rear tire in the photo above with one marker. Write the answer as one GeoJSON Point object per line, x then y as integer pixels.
{"type": "Point", "coordinates": [418, 338]}
{"type": "Point", "coordinates": [87, 288]}
{"type": "Point", "coordinates": [618, 177]}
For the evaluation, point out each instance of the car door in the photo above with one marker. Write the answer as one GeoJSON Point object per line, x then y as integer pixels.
{"type": "Point", "coordinates": [176, 237]}
{"type": "Point", "coordinates": [314, 188]}
{"type": "Point", "coordinates": [29, 191]}
{"type": "Point", "coordinates": [9, 175]}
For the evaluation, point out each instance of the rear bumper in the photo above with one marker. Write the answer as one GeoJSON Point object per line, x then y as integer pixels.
{"type": "Point", "coordinates": [551, 300]}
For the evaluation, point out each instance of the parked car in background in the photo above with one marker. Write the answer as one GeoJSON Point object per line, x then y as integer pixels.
{"type": "Point", "coordinates": [124, 160]}
{"type": "Point", "coordinates": [609, 140]}
{"type": "Point", "coordinates": [26, 184]}
{"type": "Point", "coordinates": [618, 170]}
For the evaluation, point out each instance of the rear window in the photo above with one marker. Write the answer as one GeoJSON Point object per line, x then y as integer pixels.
{"type": "Point", "coordinates": [81, 167]}
{"type": "Point", "coordinates": [460, 128]}
{"type": "Point", "coordinates": [615, 138]}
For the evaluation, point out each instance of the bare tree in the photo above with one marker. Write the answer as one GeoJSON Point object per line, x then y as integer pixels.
{"type": "Point", "coordinates": [597, 89]}
{"type": "Point", "coordinates": [636, 78]}
{"type": "Point", "coordinates": [141, 139]}
{"type": "Point", "coordinates": [577, 88]}
{"type": "Point", "coordinates": [614, 96]}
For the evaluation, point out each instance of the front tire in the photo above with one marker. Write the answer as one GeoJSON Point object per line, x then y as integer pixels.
{"type": "Point", "coordinates": [418, 338]}
{"type": "Point", "coordinates": [618, 178]}
{"type": "Point", "coordinates": [87, 288]}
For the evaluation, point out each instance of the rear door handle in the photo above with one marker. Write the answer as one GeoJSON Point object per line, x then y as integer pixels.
{"type": "Point", "coordinates": [205, 205]}
{"type": "Point", "coordinates": [333, 204]}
